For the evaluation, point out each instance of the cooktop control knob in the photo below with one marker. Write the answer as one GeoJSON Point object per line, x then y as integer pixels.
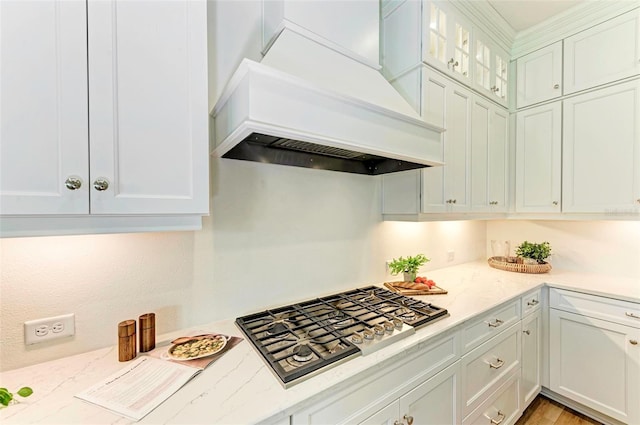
{"type": "Point", "coordinates": [356, 338]}
{"type": "Point", "coordinates": [378, 330]}
{"type": "Point", "coordinates": [368, 334]}
{"type": "Point", "coordinates": [388, 326]}
{"type": "Point", "coordinates": [397, 323]}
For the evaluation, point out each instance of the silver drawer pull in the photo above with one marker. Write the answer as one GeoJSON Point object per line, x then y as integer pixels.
{"type": "Point", "coordinates": [635, 316]}
{"type": "Point", "coordinates": [495, 323]}
{"type": "Point", "coordinates": [532, 302]}
{"type": "Point", "coordinates": [497, 365]}
{"type": "Point", "coordinates": [498, 421]}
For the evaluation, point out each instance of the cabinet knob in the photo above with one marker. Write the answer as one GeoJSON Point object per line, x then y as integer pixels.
{"type": "Point", "coordinates": [528, 332]}
{"type": "Point", "coordinates": [532, 302]}
{"type": "Point", "coordinates": [452, 63]}
{"type": "Point", "coordinates": [497, 365]}
{"type": "Point", "coordinates": [555, 202]}
{"type": "Point", "coordinates": [499, 419]}
{"type": "Point", "coordinates": [409, 419]}
{"type": "Point", "coordinates": [73, 183]}
{"type": "Point", "coordinates": [454, 201]}
{"type": "Point", "coordinates": [556, 86]}
{"type": "Point", "coordinates": [101, 184]}
{"type": "Point", "coordinates": [495, 323]}
{"type": "Point", "coordinates": [633, 342]}
{"type": "Point", "coordinates": [638, 200]}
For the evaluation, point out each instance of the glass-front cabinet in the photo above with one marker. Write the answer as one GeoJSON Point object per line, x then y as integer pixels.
{"type": "Point", "coordinates": [491, 73]}
{"type": "Point", "coordinates": [448, 40]}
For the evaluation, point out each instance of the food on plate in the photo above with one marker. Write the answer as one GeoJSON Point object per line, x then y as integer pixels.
{"type": "Point", "coordinates": [197, 347]}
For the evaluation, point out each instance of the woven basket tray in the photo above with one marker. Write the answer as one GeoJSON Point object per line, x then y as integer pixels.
{"type": "Point", "coordinates": [513, 266]}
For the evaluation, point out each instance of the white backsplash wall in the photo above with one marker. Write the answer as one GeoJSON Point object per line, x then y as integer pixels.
{"type": "Point", "coordinates": [275, 235]}
{"type": "Point", "coordinates": [609, 247]}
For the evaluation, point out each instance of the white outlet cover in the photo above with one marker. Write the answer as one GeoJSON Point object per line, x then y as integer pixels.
{"type": "Point", "coordinates": [41, 330]}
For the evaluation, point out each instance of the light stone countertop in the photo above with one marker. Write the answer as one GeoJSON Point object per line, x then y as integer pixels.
{"type": "Point", "coordinates": [239, 388]}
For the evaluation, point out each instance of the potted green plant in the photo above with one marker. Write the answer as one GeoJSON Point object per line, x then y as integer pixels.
{"type": "Point", "coordinates": [409, 266]}
{"type": "Point", "coordinates": [535, 253]}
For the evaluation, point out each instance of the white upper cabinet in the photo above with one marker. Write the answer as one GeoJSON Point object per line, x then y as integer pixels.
{"type": "Point", "coordinates": [148, 112]}
{"type": "Point", "coordinates": [538, 159]}
{"type": "Point", "coordinates": [446, 40]}
{"type": "Point", "coordinates": [446, 189]}
{"type": "Point", "coordinates": [351, 27]}
{"type": "Point", "coordinates": [489, 155]}
{"type": "Point", "coordinates": [104, 109]}
{"type": "Point", "coordinates": [539, 75]}
{"type": "Point", "coordinates": [606, 52]}
{"type": "Point", "coordinates": [491, 72]}
{"type": "Point", "coordinates": [437, 189]}
{"type": "Point", "coordinates": [43, 114]}
{"type": "Point", "coordinates": [601, 151]}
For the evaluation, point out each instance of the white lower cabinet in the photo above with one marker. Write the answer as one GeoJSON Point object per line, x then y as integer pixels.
{"type": "Point", "coordinates": [432, 402]}
{"type": "Point", "coordinates": [530, 382]}
{"type": "Point", "coordinates": [501, 407]}
{"type": "Point", "coordinates": [487, 367]}
{"type": "Point", "coordinates": [592, 361]}
{"type": "Point", "coordinates": [424, 384]}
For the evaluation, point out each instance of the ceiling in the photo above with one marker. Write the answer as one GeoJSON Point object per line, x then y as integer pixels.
{"type": "Point", "coordinates": [522, 14]}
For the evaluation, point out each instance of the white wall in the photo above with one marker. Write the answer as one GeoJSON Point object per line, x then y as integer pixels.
{"type": "Point", "coordinates": [611, 247]}
{"type": "Point", "coordinates": [276, 235]}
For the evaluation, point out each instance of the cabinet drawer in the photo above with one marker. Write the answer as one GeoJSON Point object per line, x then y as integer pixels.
{"type": "Point", "coordinates": [617, 311]}
{"type": "Point", "coordinates": [487, 366]}
{"type": "Point", "coordinates": [481, 329]}
{"type": "Point", "coordinates": [501, 407]}
{"type": "Point", "coordinates": [531, 302]}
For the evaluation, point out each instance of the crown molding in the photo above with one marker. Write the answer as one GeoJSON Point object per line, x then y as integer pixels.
{"type": "Point", "coordinates": [567, 23]}
{"type": "Point", "coordinates": [488, 20]}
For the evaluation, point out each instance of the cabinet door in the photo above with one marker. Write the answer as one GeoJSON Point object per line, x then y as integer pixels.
{"type": "Point", "coordinates": [491, 70]}
{"type": "Point", "coordinates": [596, 363]}
{"type": "Point", "coordinates": [434, 401]}
{"type": "Point", "coordinates": [457, 143]}
{"type": "Point", "coordinates": [539, 75]}
{"type": "Point", "coordinates": [530, 383]}
{"type": "Point", "coordinates": [601, 151]}
{"type": "Point", "coordinates": [538, 159]}
{"type": "Point", "coordinates": [604, 53]}
{"type": "Point", "coordinates": [43, 109]}
{"type": "Point", "coordinates": [148, 106]}
{"type": "Point", "coordinates": [447, 40]}
{"type": "Point", "coordinates": [488, 157]}
{"type": "Point", "coordinates": [388, 415]}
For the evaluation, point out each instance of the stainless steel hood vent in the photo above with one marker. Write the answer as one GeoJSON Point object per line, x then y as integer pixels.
{"type": "Point", "coordinates": [309, 106]}
{"type": "Point", "coordinates": [277, 150]}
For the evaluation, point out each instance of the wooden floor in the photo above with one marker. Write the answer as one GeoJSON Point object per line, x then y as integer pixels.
{"type": "Point", "coordinates": [543, 411]}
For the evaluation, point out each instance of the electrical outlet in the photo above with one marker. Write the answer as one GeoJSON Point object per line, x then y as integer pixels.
{"type": "Point", "coordinates": [451, 255]}
{"type": "Point", "coordinates": [41, 330]}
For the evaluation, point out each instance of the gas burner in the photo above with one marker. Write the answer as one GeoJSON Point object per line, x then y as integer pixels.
{"type": "Point", "coordinates": [405, 313]}
{"type": "Point", "coordinates": [338, 319]}
{"type": "Point", "coordinates": [302, 353]}
{"type": "Point", "coordinates": [278, 329]}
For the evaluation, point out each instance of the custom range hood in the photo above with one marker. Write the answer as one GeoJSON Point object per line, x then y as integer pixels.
{"type": "Point", "coordinates": [307, 105]}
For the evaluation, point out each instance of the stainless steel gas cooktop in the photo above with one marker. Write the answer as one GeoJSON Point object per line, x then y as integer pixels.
{"type": "Point", "coordinates": [303, 339]}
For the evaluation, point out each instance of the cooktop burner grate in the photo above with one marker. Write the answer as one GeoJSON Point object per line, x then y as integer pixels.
{"type": "Point", "coordinates": [299, 340]}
